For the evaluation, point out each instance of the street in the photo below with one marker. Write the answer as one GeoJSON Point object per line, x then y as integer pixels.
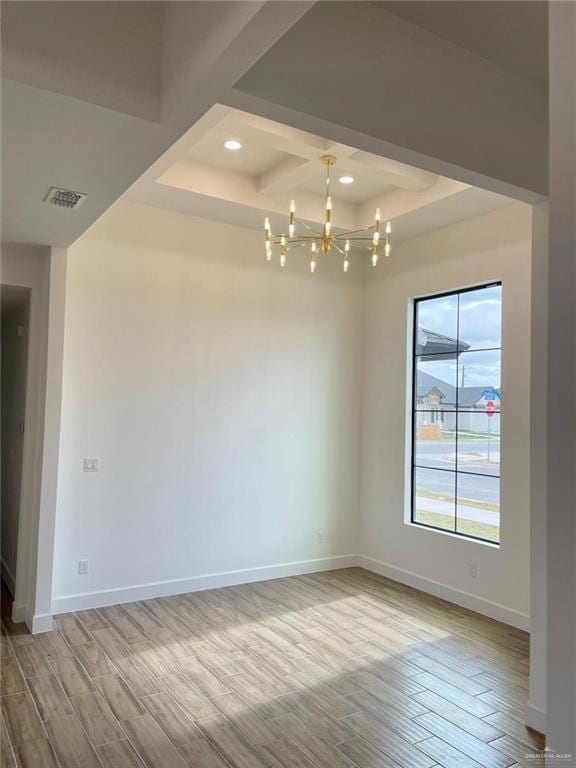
{"type": "Point", "coordinates": [472, 458]}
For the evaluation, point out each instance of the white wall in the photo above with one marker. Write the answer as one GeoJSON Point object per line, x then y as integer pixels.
{"type": "Point", "coordinates": [14, 363]}
{"type": "Point", "coordinates": [495, 246]}
{"type": "Point", "coordinates": [221, 395]}
{"type": "Point", "coordinates": [536, 707]}
{"type": "Point", "coordinates": [561, 406]}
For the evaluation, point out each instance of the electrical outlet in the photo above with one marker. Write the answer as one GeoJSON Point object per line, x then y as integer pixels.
{"type": "Point", "coordinates": [83, 567]}
{"type": "Point", "coordinates": [473, 570]}
{"type": "Point", "coordinates": [320, 537]}
{"type": "Point", "coordinates": [91, 465]}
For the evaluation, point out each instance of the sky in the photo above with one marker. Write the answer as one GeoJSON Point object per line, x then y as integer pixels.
{"type": "Point", "coordinates": [478, 323]}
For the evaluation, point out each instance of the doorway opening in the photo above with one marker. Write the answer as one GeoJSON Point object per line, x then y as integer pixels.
{"type": "Point", "coordinates": [15, 312]}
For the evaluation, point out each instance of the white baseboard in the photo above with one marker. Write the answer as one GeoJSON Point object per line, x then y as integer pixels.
{"type": "Point", "coordinates": [8, 577]}
{"type": "Point", "coordinates": [41, 622]}
{"type": "Point", "coordinates": [436, 588]}
{"type": "Point", "coordinates": [535, 718]}
{"type": "Point", "coordinates": [36, 623]}
{"type": "Point", "coordinates": [99, 599]}
{"type": "Point", "coordinates": [85, 600]}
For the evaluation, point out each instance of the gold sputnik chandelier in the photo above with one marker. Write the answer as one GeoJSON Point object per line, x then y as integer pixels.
{"type": "Point", "coordinates": [326, 241]}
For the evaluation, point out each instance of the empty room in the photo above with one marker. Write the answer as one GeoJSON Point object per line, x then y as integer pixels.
{"type": "Point", "coordinates": [287, 392]}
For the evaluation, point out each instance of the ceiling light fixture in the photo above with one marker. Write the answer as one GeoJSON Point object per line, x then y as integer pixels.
{"type": "Point", "coordinates": [326, 240]}
{"type": "Point", "coordinates": [346, 179]}
{"type": "Point", "coordinates": [232, 145]}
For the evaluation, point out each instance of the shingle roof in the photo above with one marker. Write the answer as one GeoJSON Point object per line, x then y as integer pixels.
{"type": "Point", "coordinates": [433, 343]}
{"type": "Point", "coordinates": [467, 396]}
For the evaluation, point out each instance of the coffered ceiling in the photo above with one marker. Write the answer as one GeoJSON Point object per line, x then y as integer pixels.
{"type": "Point", "coordinates": [277, 163]}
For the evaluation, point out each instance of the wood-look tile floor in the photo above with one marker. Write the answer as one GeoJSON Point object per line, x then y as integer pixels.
{"type": "Point", "coordinates": [334, 670]}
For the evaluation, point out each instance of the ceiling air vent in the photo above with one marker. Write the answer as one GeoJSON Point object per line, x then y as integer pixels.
{"type": "Point", "coordinates": [65, 198]}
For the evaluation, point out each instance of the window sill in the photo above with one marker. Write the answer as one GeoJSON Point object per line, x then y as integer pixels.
{"type": "Point", "coordinates": [452, 535]}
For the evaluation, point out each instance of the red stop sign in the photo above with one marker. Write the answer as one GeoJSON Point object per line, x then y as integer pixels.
{"type": "Point", "coordinates": [490, 408]}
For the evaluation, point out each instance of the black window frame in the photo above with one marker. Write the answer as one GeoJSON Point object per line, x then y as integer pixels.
{"type": "Point", "coordinates": [414, 410]}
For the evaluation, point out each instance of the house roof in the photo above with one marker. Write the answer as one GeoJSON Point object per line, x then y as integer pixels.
{"type": "Point", "coordinates": [467, 396]}
{"type": "Point", "coordinates": [433, 343]}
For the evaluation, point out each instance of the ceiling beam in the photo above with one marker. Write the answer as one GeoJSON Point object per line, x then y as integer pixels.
{"type": "Point", "coordinates": [287, 175]}
{"type": "Point", "coordinates": [304, 162]}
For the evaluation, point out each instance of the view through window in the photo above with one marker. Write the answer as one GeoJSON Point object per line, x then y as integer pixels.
{"type": "Point", "coordinates": [456, 398]}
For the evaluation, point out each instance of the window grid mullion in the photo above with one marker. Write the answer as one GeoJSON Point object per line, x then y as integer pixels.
{"type": "Point", "coordinates": [457, 400]}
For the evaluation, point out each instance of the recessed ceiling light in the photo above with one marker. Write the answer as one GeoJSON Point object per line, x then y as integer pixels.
{"type": "Point", "coordinates": [346, 179]}
{"type": "Point", "coordinates": [232, 145]}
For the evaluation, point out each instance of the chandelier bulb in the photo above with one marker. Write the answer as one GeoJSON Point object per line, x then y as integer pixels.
{"type": "Point", "coordinates": [268, 250]}
{"type": "Point", "coordinates": [387, 249]}
{"type": "Point", "coordinates": [374, 259]}
{"type": "Point", "coordinates": [388, 228]}
{"type": "Point", "coordinates": [346, 265]}
{"type": "Point", "coordinates": [282, 259]}
{"type": "Point", "coordinates": [313, 266]}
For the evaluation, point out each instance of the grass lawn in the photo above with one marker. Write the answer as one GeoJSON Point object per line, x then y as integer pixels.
{"type": "Point", "coordinates": [424, 494]}
{"type": "Point", "coordinates": [467, 527]}
{"type": "Point", "coordinates": [464, 436]}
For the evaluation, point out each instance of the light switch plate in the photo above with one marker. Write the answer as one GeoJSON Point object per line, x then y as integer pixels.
{"type": "Point", "coordinates": [91, 465]}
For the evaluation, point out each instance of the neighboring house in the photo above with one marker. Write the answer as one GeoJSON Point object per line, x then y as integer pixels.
{"type": "Point", "coordinates": [438, 398]}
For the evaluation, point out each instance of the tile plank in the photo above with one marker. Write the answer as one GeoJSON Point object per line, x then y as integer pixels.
{"type": "Point", "coordinates": [474, 725]}
{"type": "Point", "coordinates": [387, 741]}
{"type": "Point", "coordinates": [364, 755]}
{"type": "Point", "coordinates": [36, 754]}
{"type": "Point", "coordinates": [119, 754]}
{"type": "Point", "coordinates": [201, 754]}
{"type": "Point", "coordinates": [462, 741]}
{"type": "Point", "coordinates": [97, 719]}
{"type": "Point", "coordinates": [117, 694]}
{"type": "Point", "coordinates": [72, 675]}
{"type": "Point", "coordinates": [21, 718]}
{"type": "Point", "coordinates": [232, 745]}
{"type": "Point", "coordinates": [32, 660]}
{"type": "Point", "coordinates": [71, 743]}
{"type": "Point", "coordinates": [174, 721]}
{"type": "Point", "coordinates": [11, 678]}
{"type": "Point", "coordinates": [50, 697]}
{"type": "Point", "coordinates": [151, 743]}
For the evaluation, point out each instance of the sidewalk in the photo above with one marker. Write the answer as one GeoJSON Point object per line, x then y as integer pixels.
{"type": "Point", "coordinates": [465, 512]}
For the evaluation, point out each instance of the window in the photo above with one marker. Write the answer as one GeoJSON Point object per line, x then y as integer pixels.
{"type": "Point", "coordinates": [456, 412]}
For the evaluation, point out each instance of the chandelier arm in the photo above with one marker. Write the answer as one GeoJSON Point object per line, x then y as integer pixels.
{"type": "Point", "coordinates": [339, 249]}
{"type": "Point", "coordinates": [309, 228]}
{"type": "Point", "coordinates": [278, 240]}
{"type": "Point", "coordinates": [355, 231]}
{"type": "Point", "coordinates": [359, 239]}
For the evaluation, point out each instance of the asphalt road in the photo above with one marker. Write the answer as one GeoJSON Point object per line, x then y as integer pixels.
{"type": "Point", "coordinates": [472, 458]}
